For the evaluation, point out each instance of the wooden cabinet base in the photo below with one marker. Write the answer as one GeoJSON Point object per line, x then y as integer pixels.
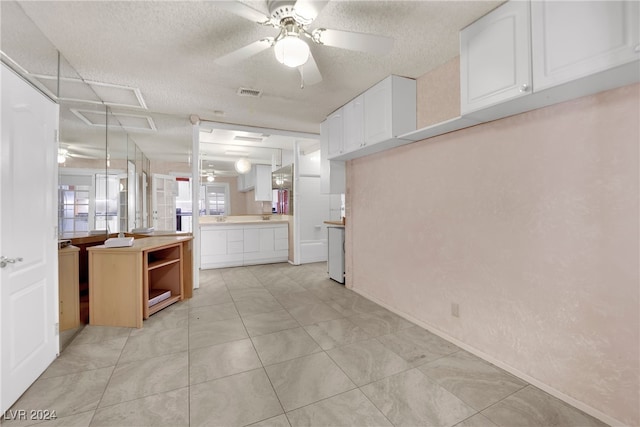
{"type": "Point", "coordinates": [120, 279]}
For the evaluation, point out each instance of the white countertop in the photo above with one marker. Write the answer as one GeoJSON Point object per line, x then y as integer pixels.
{"type": "Point", "coordinates": [243, 220]}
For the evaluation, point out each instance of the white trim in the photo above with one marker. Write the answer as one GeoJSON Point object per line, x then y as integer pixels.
{"type": "Point", "coordinates": [542, 386]}
{"type": "Point", "coordinates": [231, 126]}
{"type": "Point", "coordinates": [78, 113]}
{"type": "Point", "coordinates": [195, 199]}
{"type": "Point", "coordinates": [135, 90]}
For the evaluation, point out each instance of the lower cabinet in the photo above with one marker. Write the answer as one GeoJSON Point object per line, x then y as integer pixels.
{"type": "Point", "coordinates": [243, 244]}
{"type": "Point", "coordinates": [68, 288]}
{"type": "Point", "coordinates": [128, 284]}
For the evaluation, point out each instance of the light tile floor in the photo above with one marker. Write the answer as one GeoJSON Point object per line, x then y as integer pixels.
{"type": "Point", "coordinates": [281, 345]}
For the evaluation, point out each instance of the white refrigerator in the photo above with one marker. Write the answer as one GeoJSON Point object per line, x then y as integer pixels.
{"type": "Point", "coordinates": [335, 262]}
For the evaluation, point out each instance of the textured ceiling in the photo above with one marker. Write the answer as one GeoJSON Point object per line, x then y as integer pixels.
{"type": "Point", "coordinates": [168, 49]}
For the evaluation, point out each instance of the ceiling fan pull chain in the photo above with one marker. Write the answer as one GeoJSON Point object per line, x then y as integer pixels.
{"type": "Point", "coordinates": [301, 77]}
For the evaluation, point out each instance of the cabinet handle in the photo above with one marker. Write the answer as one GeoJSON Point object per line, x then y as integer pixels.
{"type": "Point", "coordinates": [524, 88]}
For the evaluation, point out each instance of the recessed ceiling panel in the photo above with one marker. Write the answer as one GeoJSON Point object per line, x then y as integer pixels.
{"type": "Point", "coordinates": [127, 121]}
{"type": "Point", "coordinates": [92, 92]}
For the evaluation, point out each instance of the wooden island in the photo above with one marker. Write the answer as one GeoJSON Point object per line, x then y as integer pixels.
{"type": "Point", "coordinates": [123, 280]}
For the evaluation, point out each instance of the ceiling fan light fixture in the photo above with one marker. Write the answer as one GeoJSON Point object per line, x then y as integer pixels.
{"type": "Point", "coordinates": [242, 166]}
{"type": "Point", "coordinates": [291, 51]}
{"type": "Point", "coordinates": [62, 156]}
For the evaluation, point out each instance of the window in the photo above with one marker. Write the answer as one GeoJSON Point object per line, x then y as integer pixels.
{"type": "Point", "coordinates": [214, 199]}
{"type": "Point", "coordinates": [107, 193]}
{"type": "Point", "coordinates": [74, 208]}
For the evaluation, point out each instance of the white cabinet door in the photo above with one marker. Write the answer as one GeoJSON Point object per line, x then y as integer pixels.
{"type": "Point", "coordinates": [251, 240]}
{"type": "Point", "coordinates": [335, 123]}
{"type": "Point", "coordinates": [247, 181]}
{"type": "Point", "coordinates": [266, 240]}
{"type": "Point", "coordinates": [353, 125]}
{"type": "Point", "coordinates": [495, 57]}
{"type": "Point", "coordinates": [281, 236]}
{"type": "Point", "coordinates": [389, 110]}
{"type": "Point", "coordinates": [332, 172]}
{"type": "Point", "coordinates": [263, 191]}
{"type": "Point", "coordinates": [377, 112]}
{"type": "Point", "coordinates": [575, 39]}
{"type": "Point", "coordinates": [240, 181]}
{"type": "Point", "coordinates": [213, 242]}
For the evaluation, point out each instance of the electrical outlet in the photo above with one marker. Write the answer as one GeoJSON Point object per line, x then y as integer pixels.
{"type": "Point", "coordinates": [455, 309]}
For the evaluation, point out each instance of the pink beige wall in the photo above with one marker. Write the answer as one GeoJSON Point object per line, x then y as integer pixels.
{"type": "Point", "coordinates": [438, 94]}
{"type": "Point", "coordinates": [530, 224]}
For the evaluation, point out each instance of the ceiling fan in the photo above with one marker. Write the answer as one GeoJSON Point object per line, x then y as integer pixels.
{"type": "Point", "coordinates": [66, 151]}
{"type": "Point", "coordinates": [293, 18]}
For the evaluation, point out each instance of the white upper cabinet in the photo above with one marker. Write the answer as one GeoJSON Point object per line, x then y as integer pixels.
{"type": "Point", "coordinates": [375, 118]}
{"type": "Point", "coordinates": [263, 191]}
{"type": "Point", "coordinates": [574, 39]}
{"type": "Point", "coordinates": [332, 172]}
{"type": "Point", "coordinates": [389, 109]}
{"type": "Point", "coordinates": [247, 181]}
{"type": "Point", "coordinates": [335, 133]}
{"type": "Point", "coordinates": [495, 57]}
{"type": "Point", "coordinates": [353, 125]}
{"type": "Point", "coordinates": [259, 180]}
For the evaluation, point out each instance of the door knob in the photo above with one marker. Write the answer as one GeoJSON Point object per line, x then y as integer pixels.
{"type": "Point", "coordinates": [524, 88]}
{"type": "Point", "coordinates": [4, 261]}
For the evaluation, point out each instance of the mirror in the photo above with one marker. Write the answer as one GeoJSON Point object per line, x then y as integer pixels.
{"type": "Point", "coordinates": [282, 185]}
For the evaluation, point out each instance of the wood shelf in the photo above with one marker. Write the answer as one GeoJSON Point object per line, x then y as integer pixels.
{"type": "Point", "coordinates": [163, 304]}
{"type": "Point", "coordinates": [162, 263]}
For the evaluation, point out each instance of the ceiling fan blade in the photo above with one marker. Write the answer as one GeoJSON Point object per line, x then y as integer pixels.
{"type": "Point", "coordinates": [308, 10]}
{"type": "Point", "coordinates": [362, 42]}
{"type": "Point", "coordinates": [245, 52]}
{"type": "Point", "coordinates": [310, 72]}
{"type": "Point", "coordinates": [243, 10]}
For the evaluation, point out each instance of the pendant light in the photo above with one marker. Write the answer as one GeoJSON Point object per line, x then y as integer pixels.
{"type": "Point", "coordinates": [243, 166]}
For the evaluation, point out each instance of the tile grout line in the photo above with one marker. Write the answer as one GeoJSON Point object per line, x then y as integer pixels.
{"type": "Point", "coordinates": [262, 364]}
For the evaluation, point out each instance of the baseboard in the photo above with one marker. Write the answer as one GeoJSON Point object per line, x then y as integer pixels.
{"type": "Point", "coordinates": [542, 386]}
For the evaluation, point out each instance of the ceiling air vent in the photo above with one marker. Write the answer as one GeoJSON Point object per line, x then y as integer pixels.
{"type": "Point", "coordinates": [254, 93]}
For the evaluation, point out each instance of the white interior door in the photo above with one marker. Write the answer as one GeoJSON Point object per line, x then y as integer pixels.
{"type": "Point", "coordinates": [28, 236]}
{"type": "Point", "coordinates": [164, 192]}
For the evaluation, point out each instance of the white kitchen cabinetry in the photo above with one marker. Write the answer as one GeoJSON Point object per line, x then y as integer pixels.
{"type": "Point", "coordinates": [575, 39]}
{"type": "Point", "coordinates": [221, 246]}
{"type": "Point", "coordinates": [574, 48]}
{"type": "Point", "coordinates": [495, 57]}
{"type": "Point", "coordinates": [259, 180]}
{"type": "Point", "coordinates": [247, 181]}
{"type": "Point", "coordinates": [389, 109]}
{"type": "Point", "coordinates": [263, 190]}
{"type": "Point", "coordinates": [335, 133]}
{"type": "Point", "coordinates": [353, 126]}
{"type": "Point", "coordinates": [372, 121]}
{"type": "Point", "coordinates": [332, 172]}
{"type": "Point", "coordinates": [230, 245]}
